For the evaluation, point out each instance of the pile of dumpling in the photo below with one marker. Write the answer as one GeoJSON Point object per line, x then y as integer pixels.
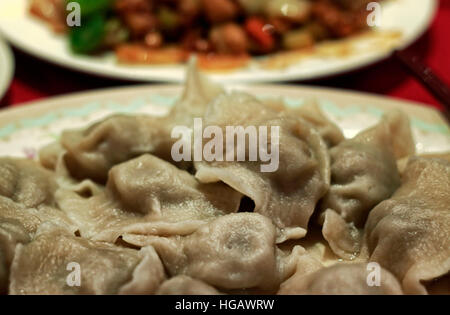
{"type": "Point", "coordinates": [110, 199]}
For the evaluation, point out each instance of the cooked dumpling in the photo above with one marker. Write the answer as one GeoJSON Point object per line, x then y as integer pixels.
{"type": "Point", "coordinates": [148, 196]}
{"type": "Point", "coordinates": [343, 238]}
{"type": "Point", "coordinates": [49, 155]}
{"type": "Point", "coordinates": [11, 234]}
{"type": "Point", "coordinates": [235, 251]}
{"type": "Point", "coordinates": [198, 92]}
{"type": "Point", "coordinates": [184, 285]}
{"type": "Point", "coordinates": [363, 173]}
{"type": "Point", "coordinates": [18, 225]}
{"type": "Point", "coordinates": [312, 113]}
{"type": "Point", "coordinates": [91, 153]}
{"type": "Point", "coordinates": [27, 195]}
{"type": "Point", "coordinates": [53, 158]}
{"type": "Point", "coordinates": [341, 279]}
{"type": "Point", "coordinates": [26, 182]}
{"type": "Point", "coordinates": [46, 265]}
{"type": "Point", "coordinates": [31, 218]}
{"type": "Point", "coordinates": [289, 194]}
{"type": "Point", "coordinates": [409, 233]}
{"type": "Point", "coordinates": [403, 163]}
{"type": "Point", "coordinates": [402, 139]}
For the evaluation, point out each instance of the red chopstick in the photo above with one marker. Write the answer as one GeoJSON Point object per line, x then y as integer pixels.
{"type": "Point", "coordinates": [429, 79]}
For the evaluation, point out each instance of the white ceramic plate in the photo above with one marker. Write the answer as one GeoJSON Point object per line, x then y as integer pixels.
{"type": "Point", "coordinates": [409, 17]}
{"type": "Point", "coordinates": [6, 67]}
{"type": "Point", "coordinates": [25, 129]}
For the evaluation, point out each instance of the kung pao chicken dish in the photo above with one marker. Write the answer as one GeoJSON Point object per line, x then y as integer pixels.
{"type": "Point", "coordinates": [225, 32]}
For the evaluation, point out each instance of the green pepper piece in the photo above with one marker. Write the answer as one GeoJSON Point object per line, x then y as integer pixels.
{"type": "Point", "coordinates": [89, 36]}
{"type": "Point", "coordinates": [89, 7]}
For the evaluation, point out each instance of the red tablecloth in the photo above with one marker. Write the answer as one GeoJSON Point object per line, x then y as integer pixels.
{"type": "Point", "coordinates": [35, 79]}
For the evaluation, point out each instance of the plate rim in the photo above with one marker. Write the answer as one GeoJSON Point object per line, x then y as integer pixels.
{"type": "Point", "coordinates": [56, 102]}
{"type": "Point", "coordinates": [430, 128]}
{"type": "Point", "coordinates": [288, 77]}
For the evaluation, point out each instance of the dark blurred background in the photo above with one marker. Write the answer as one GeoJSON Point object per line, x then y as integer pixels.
{"type": "Point", "coordinates": [35, 79]}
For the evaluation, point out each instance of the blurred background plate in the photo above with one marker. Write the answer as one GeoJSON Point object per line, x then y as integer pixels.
{"type": "Point", "coordinates": [6, 67]}
{"type": "Point", "coordinates": [409, 18]}
{"type": "Point", "coordinates": [25, 129]}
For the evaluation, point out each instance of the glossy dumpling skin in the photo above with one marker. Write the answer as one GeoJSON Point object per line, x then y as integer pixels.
{"type": "Point", "coordinates": [363, 173]}
{"type": "Point", "coordinates": [26, 182]}
{"type": "Point", "coordinates": [341, 279]}
{"type": "Point", "coordinates": [11, 234]}
{"type": "Point", "coordinates": [147, 195]}
{"type": "Point", "coordinates": [402, 139]}
{"type": "Point", "coordinates": [40, 267]}
{"type": "Point", "coordinates": [235, 251]}
{"type": "Point", "coordinates": [18, 225]}
{"type": "Point", "coordinates": [27, 195]}
{"type": "Point", "coordinates": [90, 153]}
{"type": "Point", "coordinates": [199, 91]}
{"type": "Point", "coordinates": [409, 233]}
{"type": "Point", "coordinates": [289, 194]}
{"type": "Point", "coordinates": [313, 114]}
{"type": "Point", "coordinates": [328, 130]}
{"type": "Point", "coordinates": [27, 199]}
{"type": "Point", "coordinates": [184, 285]}
{"type": "Point", "coordinates": [31, 218]}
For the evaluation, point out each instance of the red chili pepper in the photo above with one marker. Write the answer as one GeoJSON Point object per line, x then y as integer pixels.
{"type": "Point", "coordinates": [255, 28]}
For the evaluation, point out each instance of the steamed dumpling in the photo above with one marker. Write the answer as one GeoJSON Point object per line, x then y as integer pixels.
{"type": "Point", "coordinates": [18, 225]}
{"type": "Point", "coordinates": [312, 113]}
{"type": "Point", "coordinates": [92, 152]}
{"type": "Point", "coordinates": [403, 163]}
{"type": "Point", "coordinates": [343, 238]}
{"type": "Point", "coordinates": [341, 279]}
{"type": "Point", "coordinates": [27, 195]}
{"type": "Point", "coordinates": [235, 251]}
{"type": "Point", "coordinates": [26, 182]}
{"type": "Point", "coordinates": [289, 194]}
{"type": "Point", "coordinates": [198, 92]}
{"type": "Point", "coordinates": [402, 139]}
{"type": "Point", "coordinates": [31, 218]}
{"type": "Point", "coordinates": [409, 233]}
{"type": "Point", "coordinates": [11, 234]}
{"type": "Point", "coordinates": [42, 266]}
{"type": "Point", "coordinates": [147, 195]}
{"type": "Point", "coordinates": [363, 173]}
{"type": "Point", "coordinates": [184, 285]}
